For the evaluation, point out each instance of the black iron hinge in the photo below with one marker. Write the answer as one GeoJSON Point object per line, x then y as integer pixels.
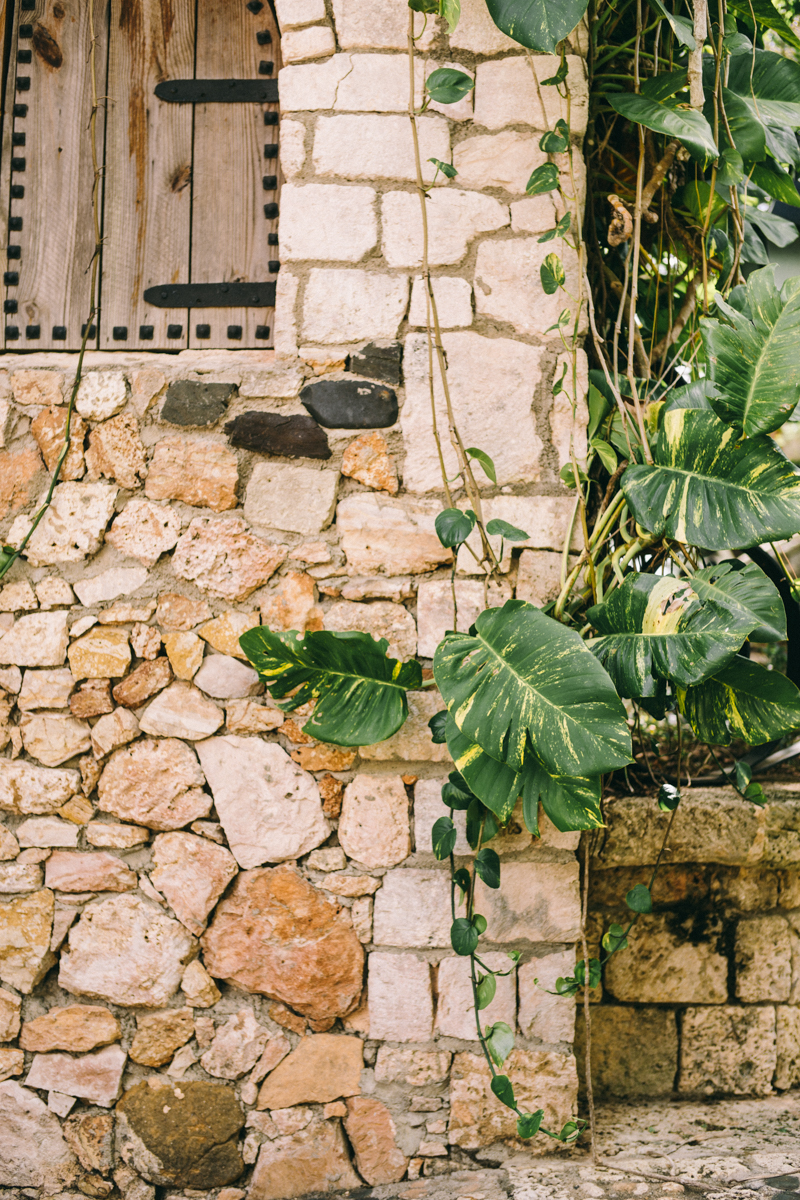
{"type": "Point", "coordinates": [218, 91]}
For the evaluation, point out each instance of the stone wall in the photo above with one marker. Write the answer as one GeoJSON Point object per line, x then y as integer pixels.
{"type": "Point", "coordinates": [224, 949]}
{"type": "Point", "coordinates": [706, 1000]}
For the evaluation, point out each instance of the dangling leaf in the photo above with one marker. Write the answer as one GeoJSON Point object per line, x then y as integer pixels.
{"type": "Point", "coordinates": [443, 838]}
{"type": "Point", "coordinates": [481, 825]}
{"type": "Point", "coordinates": [487, 865]}
{"type": "Point", "coordinates": [486, 988]}
{"type": "Point", "coordinates": [706, 488]}
{"type": "Point", "coordinates": [494, 783]}
{"type": "Point", "coordinates": [360, 691]}
{"type": "Point", "coordinates": [669, 797]}
{"type": "Point", "coordinates": [500, 528]}
{"type": "Point", "coordinates": [776, 182]}
{"type": "Point", "coordinates": [451, 11]}
{"type": "Point", "coordinates": [463, 937]}
{"type": "Point", "coordinates": [658, 625]}
{"type": "Point", "coordinates": [639, 899]}
{"type": "Point", "coordinates": [765, 15]}
{"type": "Point", "coordinates": [537, 24]}
{"type": "Point", "coordinates": [453, 526]}
{"type": "Point", "coordinates": [745, 701]}
{"type": "Point", "coordinates": [437, 727]}
{"type": "Point", "coordinates": [528, 1124]}
{"type": "Point", "coordinates": [448, 86]}
{"type": "Point", "coordinates": [551, 274]}
{"type": "Point", "coordinates": [689, 126]}
{"type": "Point", "coordinates": [544, 179]}
{"type": "Point", "coordinates": [571, 802]}
{"type": "Point", "coordinates": [483, 458]}
{"type": "Point", "coordinates": [523, 676]}
{"type": "Point", "coordinates": [499, 1041]}
{"type": "Point", "coordinates": [747, 595]}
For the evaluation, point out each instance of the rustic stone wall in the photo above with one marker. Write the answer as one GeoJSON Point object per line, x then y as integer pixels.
{"type": "Point", "coordinates": [224, 949]}
{"type": "Point", "coordinates": [706, 999]}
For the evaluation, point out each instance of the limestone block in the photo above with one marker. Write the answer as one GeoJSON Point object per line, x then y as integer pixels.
{"type": "Point", "coordinates": [454, 219]}
{"type": "Point", "coordinates": [400, 998]}
{"type": "Point", "coordinates": [710, 827]}
{"type": "Point", "coordinates": [392, 536]}
{"type": "Point", "coordinates": [226, 678]}
{"type": "Point", "coordinates": [542, 1014]}
{"type": "Point", "coordinates": [540, 1078]}
{"type": "Point", "coordinates": [415, 1067]}
{"type": "Point", "coordinates": [26, 924]}
{"type": "Point", "coordinates": [292, 13]}
{"type": "Point", "coordinates": [501, 160]}
{"type": "Point", "coordinates": [782, 826]}
{"type": "Point", "coordinates": [37, 387]}
{"type": "Point", "coordinates": [413, 909]}
{"type": "Point", "coordinates": [634, 1050]}
{"type": "Point", "coordinates": [477, 32]}
{"type": "Point", "coordinates": [116, 451]}
{"type": "Point", "coordinates": [662, 966]}
{"type": "Point", "coordinates": [727, 1049]}
{"type": "Point", "coordinates": [538, 576]}
{"type": "Point", "coordinates": [453, 296]}
{"type": "Point", "coordinates": [787, 1073]}
{"type": "Point", "coordinates": [197, 472]}
{"type": "Point", "coordinates": [373, 1136]}
{"type": "Point", "coordinates": [115, 836]}
{"type": "Point", "coordinates": [154, 783]}
{"type": "Point", "coordinates": [72, 527]}
{"type": "Point", "coordinates": [101, 394]}
{"type": "Point", "coordinates": [102, 653]}
{"type": "Point", "coordinates": [507, 285]}
{"type": "Point", "coordinates": [181, 711]}
{"type": "Point", "coordinates": [113, 730]}
{"type": "Point", "coordinates": [435, 608]}
{"type": "Point", "coordinates": [313, 1160]}
{"type": "Point", "coordinates": [507, 93]}
{"type": "Point", "coordinates": [269, 807]}
{"type": "Point", "coordinates": [374, 827]}
{"type": "Point", "coordinates": [17, 596]}
{"type": "Point", "coordinates": [455, 1014]}
{"type": "Point", "coordinates": [367, 459]}
{"type": "Point", "coordinates": [314, 85]}
{"type": "Point", "coordinates": [545, 518]}
{"type": "Point", "coordinates": [118, 581]}
{"type": "Point", "coordinates": [36, 640]}
{"type": "Point", "coordinates": [95, 1077]}
{"type": "Point", "coordinates": [237, 1046]}
{"type": "Point", "coordinates": [381, 619]}
{"type": "Point", "coordinates": [20, 876]}
{"type": "Point", "coordinates": [412, 742]}
{"type": "Point", "coordinates": [763, 959]}
{"type": "Point", "coordinates": [28, 789]}
{"type": "Point", "coordinates": [191, 873]}
{"type": "Point", "coordinates": [538, 902]}
{"type": "Point", "coordinates": [327, 221]}
{"type": "Point", "coordinates": [292, 146]}
{"type": "Point", "coordinates": [33, 1152]}
{"type": "Point", "coordinates": [224, 559]}
{"type": "Point", "coordinates": [353, 305]}
{"type": "Point", "coordinates": [17, 475]}
{"type": "Point", "coordinates": [322, 1068]}
{"type": "Point", "coordinates": [45, 689]}
{"type": "Point", "coordinates": [54, 738]}
{"type": "Point", "coordinates": [372, 146]}
{"type": "Point", "coordinates": [273, 492]}
{"type": "Point", "coordinates": [49, 429]}
{"type": "Point", "coordinates": [145, 530]}
{"type": "Point", "coordinates": [9, 1015]}
{"type": "Point", "coordinates": [378, 29]}
{"type": "Point", "coordinates": [79, 871]}
{"type": "Point", "coordinates": [299, 45]}
{"type": "Point", "coordinates": [428, 808]}
{"type": "Point", "coordinates": [160, 1034]}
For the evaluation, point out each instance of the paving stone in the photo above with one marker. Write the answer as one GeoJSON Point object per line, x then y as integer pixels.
{"type": "Point", "coordinates": [540, 1078]}
{"type": "Point", "coordinates": [455, 218]}
{"type": "Point", "coordinates": [313, 1160]}
{"type": "Point", "coordinates": [314, 85]}
{"type": "Point", "coordinates": [399, 996]}
{"type": "Point", "coordinates": [191, 402]}
{"type": "Point", "coordinates": [160, 1034]}
{"type": "Point", "coordinates": [118, 581]}
{"type": "Point", "coordinates": [224, 631]}
{"type": "Point", "coordinates": [53, 738]}
{"type": "Point", "coordinates": [20, 876]}
{"type": "Point", "coordinates": [663, 966]}
{"type": "Point", "coordinates": [289, 436]}
{"type": "Point", "coordinates": [477, 32]}
{"type": "Point", "coordinates": [372, 146]}
{"type": "Point", "coordinates": [180, 612]}
{"type": "Point", "coordinates": [223, 558]}
{"type": "Point", "coordinates": [115, 836]}
{"type": "Point", "coordinates": [787, 1072]}
{"type": "Point", "coordinates": [181, 711]}
{"type": "Point", "coordinates": [727, 1049]}
{"type": "Point", "coordinates": [329, 222]}
{"type": "Point", "coordinates": [435, 608]}
{"type": "Point", "coordinates": [395, 536]}
{"type": "Point", "coordinates": [227, 678]}
{"type": "Point", "coordinates": [154, 783]}
{"type": "Point", "coordinates": [36, 640]}
{"type": "Point", "coordinates": [351, 404]}
{"type": "Point", "coordinates": [31, 790]}
{"type": "Point", "coordinates": [545, 518]}
{"type": "Point", "coordinates": [72, 527]}
{"type": "Point", "coordinates": [185, 652]}
{"type": "Point", "coordinates": [26, 924]}
{"type": "Point", "coordinates": [538, 902]}
{"type": "Point", "coordinates": [145, 530]}
{"type": "Point", "coordinates": [374, 827]}
{"type": "Point", "coordinates": [539, 576]}
{"type": "Point", "coordinates": [191, 873]}
{"type": "Point", "coordinates": [203, 474]}
{"type": "Point", "coordinates": [246, 716]}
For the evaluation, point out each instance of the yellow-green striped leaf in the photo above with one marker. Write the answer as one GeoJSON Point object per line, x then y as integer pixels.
{"type": "Point", "coordinates": [494, 783]}
{"type": "Point", "coordinates": [570, 802]}
{"type": "Point", "coordinates": [745, 701]}
{"type": "Point", "coordinates": [748, 595]}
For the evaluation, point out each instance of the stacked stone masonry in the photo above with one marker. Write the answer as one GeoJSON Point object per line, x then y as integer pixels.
{"type": "Point", "coordinates": [224, 948]}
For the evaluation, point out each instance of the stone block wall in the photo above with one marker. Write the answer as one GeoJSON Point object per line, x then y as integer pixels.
{"type": "Point", "coordinates": [706, 999]}
{"type": "Point", "coordinates": [224, 948]}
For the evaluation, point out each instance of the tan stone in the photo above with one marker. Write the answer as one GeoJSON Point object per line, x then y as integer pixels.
{"type": "Point", "coordinates": [323, 1067]}
{"type": "Point", "coordinates": [368, 460]}
{"type": "Point", "coordinates": [114, 730]}
{"type": "Point", "coordinates": [143, 682]}
{"type": "Point", "coordinates": [763, 959]}
{"type": "Point", "coordinates": [400, 997]}
{"type": "Point", "coordinates": [146, 383]}
{"type": "Point", "coordinates": [663, 966]}
{"type": "Point", "coordinates": [413, 909]}
{"type": "Point", "coordinates": [45, 689]}
{"type": "Point", "coordinates": [537, 901]}
{"type": "Point", "coordinates": [17, 596]}
{"type": "Point", "coordinates": [191, 873]}
{"type": "Point", "coordinates": [277, 935]}
{"type": "Point", "coordinates": [540, 1078]}
{"type": "Point", "coordinates": [634, 1050]}
{"type": "Point", "coordinates": [435, 608]}
{"type": "Point", "coordinates": [331, 790]}
{"type": "Point", "coordinates": [200, 473]}
{"type": "Point", "coordinates": [9, 1015]}
{"type": "Point", "coordinates": [322, 757]}
{"type": "Point", "coordinates": [351, 885]}
{"type": "Point", "coordinates": [287, 1019]}
{"type": "Point", "coordinates": [412, 742]}
{"type": "Point", "coordinates": [126, 951]}
{"type": "Point", "coordinates": [181, 711]}
{"type": "Point", "coordinates": [198, 986]}
{"type": "Point", "coordinates": [22, 875]}
{"type": "Point", "coordinates": [78, 809]}
{"type": "Point", "coordinates": [223, 632]}
{"type": "Point", "coordinates": [180, 612]}
{"type": "Point", "coordinates": [372, 1135]}
{"type": "Point", "coordinates": [154, 783]}
{"type": "Point", "coordinates": [374, 826]}
{"type": "Point", "coordinates": [293, 603]}
{"type": "Point", "coordinates": [116, 451]}
{"type": "Point", "coordinates": [49, 428]}
{"type": "Point", "coordinates": [414, 1067]}
{"type": "Point", "coordinates": [39, 387]}
{"type": "Point", "coordinates": [72, 527]}
{"type": "Point", "coordinates": [223, 558]}
{"type": "Point", "coordinates": [47, 831]}
{"type": "Point", "coordinates": [237, 1046]}
{"type": "Point", "coordinates": [542, 1013]}
{"type": "Point", "coordinates": [393, 536]}
{"type": "Point", "coordinates": [787, 1072]}
{"type": "Point", "coordinates": [380, 619]}
{"type": "Point", "coordinates": [9, 846]}
{"type": "Point", "coordinates": [144, 530]}
{"type": "Point", "coordinates": [33, 1152]}
{"type": "Point", "coordinates": [36, 640]}
{"type": "Point", "coordinates": [102, 653]}
{"type": "Point", "coordinates": [12, 1062]}
{"type": "Point", "coordinates": [92, 699]}
{"type": "Point", "coordinates": [145, 640]}
{"type": "Point", "coordinates": [313, 1160]}
{"type": "Point", "coordinates": [17, 474]}
{"type": "Point", "coordinates": [160, 1034]}
{"type": "Point", "coordinates": [90, 1135]}
{"type": "Point", "coordinates": [245, 716]}
{"type": "Point", "coordinates": [95, 1077]}
{"type": "Point", "coordinates": [53, 591]}
{"type": "Point", "coordinates": [79, 871]}
{"type": "Point", "coordinates": [25, 926]}
{"type": "Point", "coordinates": [455, 1012]}
{"type": "Point", "coordinates": [78, 1028]}
{"type": "Point", "coordinates": [727, 1049]}
{"type": "Point", "coordinates": [53, 738]}
{"type": "Point", "coordinates": [185, 652]}
{"type": "Point", "coordinates": [115, 836]}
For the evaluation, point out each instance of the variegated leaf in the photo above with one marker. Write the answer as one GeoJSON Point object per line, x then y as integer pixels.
{"type": "Point", "coordinates": [494, 783]}
{"type": "Point", "coordinates": [571, 802]}
{"type": "Point", "coordinates": [745, 701]}
{"type": "Point", "coordinates": [747, 595]}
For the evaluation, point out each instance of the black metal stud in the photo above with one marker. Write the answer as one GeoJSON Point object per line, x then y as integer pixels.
{"type": "Point", "coordinates": [202, 331]}
{"type": "Point", "coordinates": [255, 6]}
{"type": "Point", "coordinates": [274, 266]}
{"type": "Point", "coordinates": [262, 332]}
{"type": "Point", "coordinates": [20, 110]}
{"type": "Point", "coordinates": [12, 333]}
{"type": "Point", "coordinates": [18, 139]}
{"type": "Point", "coordinates": [24, 56]}
{"type": "Point", "coordinates": [17, 191]}
{"type": "Point", "coordinates": [120, 333]}
{"type": "Point", "coordinates": [92, 330]}
{"type": "Point", "coordinates": [11, 278]}
{"type": "Point", "coordinates": [28, 5]}
{"type": "Point", "coordinates": [146, 332]}
{"type": "Point", "coordinates": [272, 239]}
{"type": "Point", "coordinates": [13, 251]}
{"type": "Point", "coordinates": [271, 150]}
{"type": "Point", "coordinates": [33, 332]}
{"type": "Point", "coordinates": [264, 37]}
{"type": "Point", "coordinates": [26, 31]}
{"type": "Point", "coordinates": [174, 331]}
{"type": "Point", "coordinates": [23, 83]}
{"type": "Point", "coordinates": [271, 118]}
{"type": "Point", "coordinates": [235, 333]}
{"type": "Point", "coordinates": [59, 333]}
{"type": "Point", "coordinates": [270, 183]}
{"type": "Point", "coordinates": [264, 67]}
{"type": "Point", "coordinates": [18, 164]}
{"type": "Point", "coordinates": [270, 211]}
{"type": "Point", "coordinates": [15, 224]}
{"type": "Point", "coordinates": [10, 306]}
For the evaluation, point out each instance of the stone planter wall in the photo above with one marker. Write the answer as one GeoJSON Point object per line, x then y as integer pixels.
{"type": "Point", "coordinates": [706, 1001]}
{"type": "Point", "coordinates": [224, 949]}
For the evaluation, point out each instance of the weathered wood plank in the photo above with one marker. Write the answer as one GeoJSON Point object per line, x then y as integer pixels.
{"type": "Point", "coordinates": [229, 229]}
{"type": "Point", "coordinates": [146, 233]}
{"type": "Point", "coordinates": [57, 237]}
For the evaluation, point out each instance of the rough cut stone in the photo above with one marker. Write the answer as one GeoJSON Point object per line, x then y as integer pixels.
{"type": "Point", "coordinates": [292, 604]}
{"type": "Point", "coordinates": [505, 288]}
{"type": "Point", "coordinates": [453, 296]}
{"type": "Point", "coordinates": [181, 711]}
{"type": "Point", "coordinates": [539, 576]}
{"type": "Point", "coordinates": [227, 678]}
{"type": "Point", "coordinates": [113, 730]}
{"type": "Point", "coordinates": [160, 1034]}
{"type": "Point", "coordinates": [101, 395]}
{"type": "Point", "coordinates": [90, 1135]}
{"type": "Point", "coordinates": [507, 93]}
{"type": "Point", "coordinates": [115, 836]}
{"type": "Point", "coordinates": [413, 909]}
{"type": "Point", "coordinates": [763, 959]}
{"type": "Point", "coordinates": [37, 640]}
{"type": "Point", "coordinates": [323, 1067]}
{"type": "Point", "coordinates": [237, 1046]}
{"type": "Point", "coordinates": [351, 404]}
{"type": "Point", "coordinates": [374, 146]}
{"type": "Point", "coordinates": [374, 826]}
{"type": "Point", "coordinates": [102, 653]}
{"type": "Point", "coordinates": [116, 451]}
{"type": "Point", "coordinates": [9, 1015]}
{"type": "Point", "coordinates": [79, 871]}
{"type": "Point", "coordinates": [372, 1135]}
{"type": "Point", "coordinates": [203, 474]}
{"type": "Point", "coordinates": [367, 459]}
{"type": "Point", "coordinates": [38, 387]}
{"type": "Point", "coordinates": [154, 783]}
{"type": "Point", "coordinates": [542, 1014]}
{"type": "Point", "coordinates": [12, 1062]}
{"type": "Point", "coordinates": [223, 632]}
{"type": "Point", "coordinates": [246, 716]}
{"type": "Point", "coordinates": [324, 758]}
{"type": "Point", "coordinates": [26, 923]}
{"type": "Point", "coordinates": [145, 530]}
{"type": "Point", "coordinates": [381, 619]}
{"type": "Point", "coordinates": [126, 951]}
{"type": "Point", "coordinates": [181, 1135]}
{"type": "Point", "coordinates": [191, 873]}
{"type": "Point", "coordinates": [185, 653]}
{"type": "Point", "coordinates": [16, 596]}
{"type": "Point", "coordinates": [787, 1072]}
{"type": "Point", "coordinates": [540, 1078]}
{"type": "Point", "coordinates": [269, 807]}
{"type": "Point", "coordinates": [378, 360]}
{"type": "Point", "coordinates": [72, 527]}
{"type": "Point", "coordinates": [454, 219]}
{"type": "Point", "coordinates": [385, 29]}
{"type": "Point", "coordinates": [9, 846]}
{"type": "Point", "coordinates": [330, 222]}
{"type": "Point", "coordinates": [271, 498]}
{"type": "Point", "coordinates": [198, 986]}
{"type": "Point", "coordinates": [45, 689]}
{"type": "Point", "coordinates": [368, 304]}
{"type": "Point", "coordinates": [455, 1014]}
{"type": "Point", "coordinates": [28, 789]}
{"type": "Point", "coordinates": [33, 1152]}
{"type": "Point", "coordinates": [290, 436]}
{"type": "Point", "coordinates": [276, 935]}
{"type": "Point", "coordinates": [313, 1160]}
{"type": "Point", "coordinates": [180, 612]}
{"type": "Point", "coordinates": [394, 536]}
{"type": "Point", "coordinates": [414, 1067]}
{"type": "Point", "coordinates": [316, 41]}
{"type": "Point", "coordinates": [222, 557]}
{"type": "Point", "coordinates": [143, 682]}
{"type": "Point", "coordinates": [94, 1077]}
{"type": "Point", "coordinates": [727, 1049]}
{"type": "Point", "coordinates": [17, 479]}
{"type": "Point", "coordinates": [49, 429]}
{"type": "Point", "coordinates": [190, 402]}
{"type": "Point", "coordinates": [21, 876]}
{"type": "Point", "coordinates": [662, 966]}
{"type": "Point", "coordinates": [400, 997]}
{"type": "Point", "coordinates": [412, 742]}
{"type": "Point", "coordinates": [634, 1050]}
{"type": "Point", "coordinates": [435, 608]}
{"type": "Point", "coordinates": [545, 518]}
{"type": "Point", "coordinates": [54, 738]}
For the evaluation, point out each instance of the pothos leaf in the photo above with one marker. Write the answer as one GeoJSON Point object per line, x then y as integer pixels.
{"type": "Point", "coordinates": [448, 86]}
{"type": "Point", "coordinates": [502, 1088]}
{"type": "Point", "coordinates": [639, 899]}
{"type": "Point", "coordinates": [551, 274]}
{"type": "Point", "coordinates": [463, 937]}
{"type": "Point", "coordinates": [537, 24]}
{"type": "Point", "coordinates": [483, 458]}
{"type": "Point", "coordinates": [437, 727]}
{"type": "Point", "coordinates": [487, 865]}
{"type": "Point", "coordinates": [748, 595]}
{"type": "Point", "coordinates": [443, 837]}
{"type": "Point", "coordinates": [745, 701]}
{"type": "Point", "coordinates": [499, 1041]}
{"type": "Point", "coordinates": [544, 179]}
{"type": "Point", "coordinates": [499, 528]}
{"type": "Point", "coordinates": [485, 988]}
{"type": "Point", "coordinates": [528, 1124]}
{"type": "Point", "coordinates": [689, 126]}
{"type": "Point", "coordinates": [571, 802]}
{"type": "Point", "coordinates": [453, 526]}
{"type": "Point", "coordinates": [451, 11]}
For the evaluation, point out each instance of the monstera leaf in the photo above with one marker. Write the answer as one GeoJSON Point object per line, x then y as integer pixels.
{"type": "Point", "coordinates": [708, 488]}
{"type": "Point", "coordinates": [658, 625]}
{"type": "Point", "coordinates": [747, 596]}
{"type": "Point", "coordinates": [570, 802]}
{"type": "Point", "coordinates": [537, 24]}
{"type": "Point", "coordinates": [360, 692]}
{"type": "Point", "coordinates": [522, 679]}
{"type": "Point", "coordinates": [752, 363]}
{"type": "Point", "coordinates": [745, 701]}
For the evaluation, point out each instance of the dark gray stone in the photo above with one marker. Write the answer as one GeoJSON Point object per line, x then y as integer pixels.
{"type": "Point", "coordinates": [350, 404]}
{"type": "Point", "coordinates": [190, 402]}
{"type": "Point", "coordinates": [295, 436]}
{"type": "Point", "coordinates": [378, 362]}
